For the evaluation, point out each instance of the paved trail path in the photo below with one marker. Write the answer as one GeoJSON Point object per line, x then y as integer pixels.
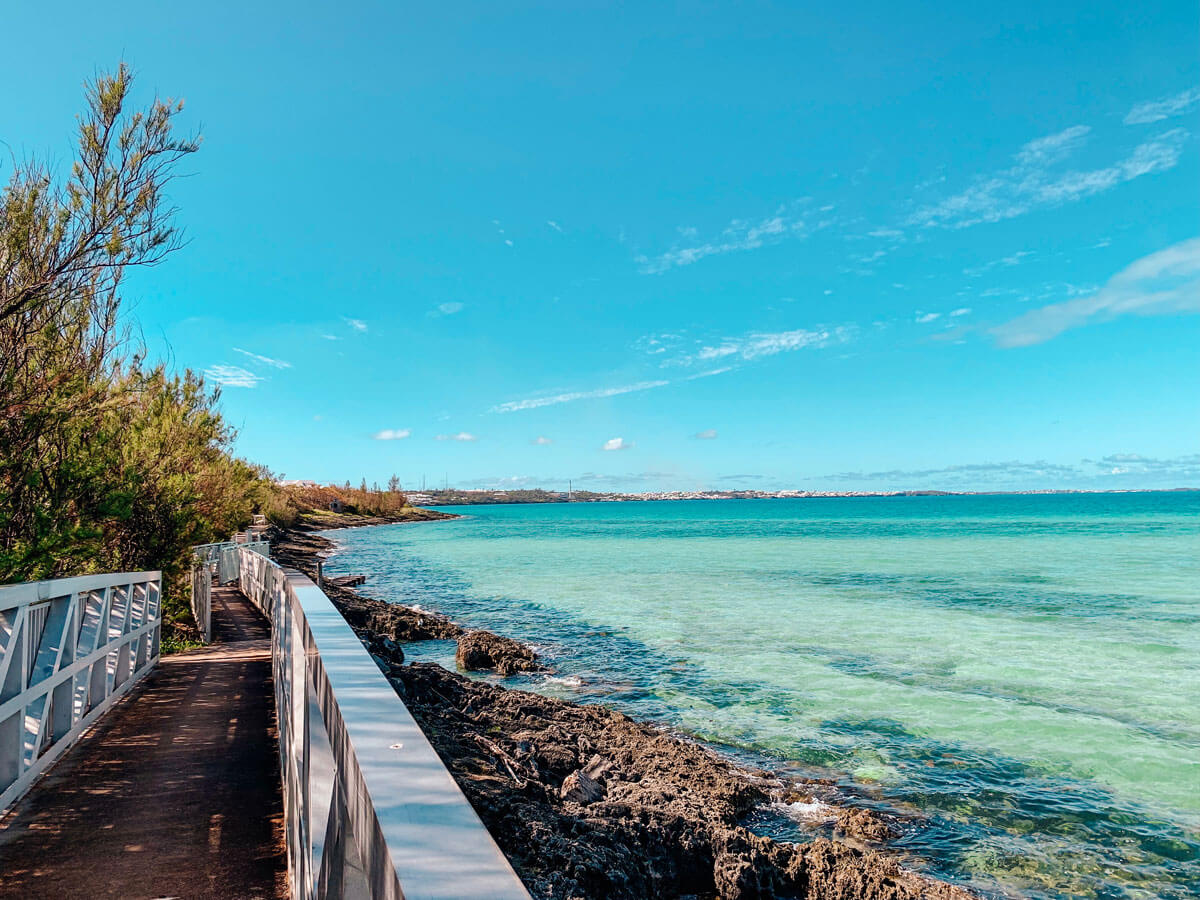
{"type": "Point", "coordinates": [175, 792]}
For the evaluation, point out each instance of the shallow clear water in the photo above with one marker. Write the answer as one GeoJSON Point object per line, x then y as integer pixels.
{"type": "Point", "coordinates": [1023, 672]}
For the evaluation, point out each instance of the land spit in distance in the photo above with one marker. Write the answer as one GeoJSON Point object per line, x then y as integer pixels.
{"type": "Point", "coordinates": [487, 496]}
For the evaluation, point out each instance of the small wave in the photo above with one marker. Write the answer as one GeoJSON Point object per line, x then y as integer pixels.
{"type": "Point", "coordinates": [573, 681]}
{"type": "Point", "coordinates": [807, 811]}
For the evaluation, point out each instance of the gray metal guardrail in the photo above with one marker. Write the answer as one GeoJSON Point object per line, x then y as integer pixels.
{"type": "Point", "coordinates": [370, 809]}
{"type": "Point", "coordinates": [69, 648]}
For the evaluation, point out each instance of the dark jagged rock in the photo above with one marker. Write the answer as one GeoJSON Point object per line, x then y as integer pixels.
{"type": "Point", "coordinates": [484, 651]}
{"type": "Point", "coordinates": [587, 803]}
{"type": "Point", "coordinates": [386, 653]}
{"type": "Point", "coordinates": [579, 787]}
{"type": "Point", "coordinates": [862, 823]}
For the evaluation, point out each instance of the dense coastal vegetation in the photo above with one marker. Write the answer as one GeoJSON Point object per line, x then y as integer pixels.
{"type": "Point", "coordinates": [109, 460]}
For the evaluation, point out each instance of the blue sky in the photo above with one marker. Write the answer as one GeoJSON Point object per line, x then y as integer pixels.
{"type": "Point", "coordinates": [854, 246]}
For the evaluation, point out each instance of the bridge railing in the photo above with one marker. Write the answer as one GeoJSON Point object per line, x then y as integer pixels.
{"type": "Point", "coordinates": [217, 562]}
{"type": "Point", "coordinates": [202, 579]}
{"type": "Point", "coordinates": [69, 648]}
{"type": "Point", "coordinates": [370, 809]}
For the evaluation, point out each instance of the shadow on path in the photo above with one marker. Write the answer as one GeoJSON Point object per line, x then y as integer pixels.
{"type": "Point", "coordinates": [174, 793]}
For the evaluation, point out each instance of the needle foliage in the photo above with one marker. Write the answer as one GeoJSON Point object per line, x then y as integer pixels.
{"type": "Point", "coordinates": [107, 461]}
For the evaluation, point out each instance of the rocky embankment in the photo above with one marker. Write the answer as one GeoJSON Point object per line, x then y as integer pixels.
{"type": "Point", "coordinates": [588, 804]}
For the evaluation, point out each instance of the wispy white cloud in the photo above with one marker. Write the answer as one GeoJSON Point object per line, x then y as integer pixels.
{"type": "Point", "coordinates": [1032, 182]}
{"type": "Point", "coordinates": [747, 347]}
{"type": "Point", "coordinates": [957, 475]}
{"type": "Point", "coordinates": [265, 360]}
{"type": "Point", "coordinates": [357, 324]}
{"type": "Point", "coordinates": [1013, 259]}
{"type": "Point", "coordinates": [554, 225]}
{"type": "Point", "coordinates": [232, 376]}
{"type": "Point", "coordinates": [616, 444]}
{"type": "Point", "coordinates": [709, 373]}
{"type": "Point", "coordinates": [462, 436]}
{"type": "Point", "coordinates": [1179, 467]}
{"type": "Point", "coordinates": [500, 231]}
{"type": "Point", "coordinates": [537, 402]}
{"type": "Point", "coordinates": [1162, 283]}
{"type": "Point", "coordinates": [509, 482]}
{"type": "Point", "coordinates": [446, 309]}
{"type": "Point", "coordinates": [1053, 148]}
{"type": "Point", "coordinates": [542, 441]}
{"type": "Point", "coordinates": [865, 259]}
{"type": "Point", "coordinates": [738, 235]}
{"type": "Point", "coordinates": [962, 311]}
{"type": "Point", "coordinates": [392, 434]}
{"type": "Point", "coordinates": [926, 318]}
{"type": "Point", "coordinates": [708, 434]}
{"type": "Point", "coordinates": [1119, 469]}
{"type": "Point", "coordinates": [759, 344]}
{"type": "Point", "coordinates": [1163, 108]}
{"type": "Point", "coordinates": [655, 344]}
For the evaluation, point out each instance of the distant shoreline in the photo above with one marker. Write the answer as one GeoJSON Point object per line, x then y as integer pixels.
{"type": "Point", "coordinates": [480, 497]}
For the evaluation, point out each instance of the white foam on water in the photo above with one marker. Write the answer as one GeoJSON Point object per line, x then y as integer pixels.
{"type": "Point", "coordinates": [807, 811]}
{"type": "Point", "coordinates": [573, 681]}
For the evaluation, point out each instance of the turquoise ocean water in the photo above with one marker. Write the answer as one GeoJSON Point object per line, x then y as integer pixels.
{"type": "Point", "coordinates": [1021, 674]}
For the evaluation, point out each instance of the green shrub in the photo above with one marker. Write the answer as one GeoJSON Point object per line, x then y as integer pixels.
{"type": "Point", "coordinates": [107, 463]}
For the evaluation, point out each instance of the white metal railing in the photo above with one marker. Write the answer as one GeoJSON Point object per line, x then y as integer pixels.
{"type": "Point", "coordinates": [370, 809]}
{"type": "Point", "coordinates": [215, 561]}
{"type": "Point", "coordinates": [211, 553]}
{"type": "Point", "coordinates": [69, 649]}
{"type": "Point", "coordinates": [202, 600]}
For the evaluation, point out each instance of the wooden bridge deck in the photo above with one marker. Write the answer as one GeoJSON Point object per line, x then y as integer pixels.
{"type": "Point", "coordinates": [174, 793]}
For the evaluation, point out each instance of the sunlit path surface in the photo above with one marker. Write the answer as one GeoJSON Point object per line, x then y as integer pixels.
{"type": "Point", "coordinates": [175, 793]}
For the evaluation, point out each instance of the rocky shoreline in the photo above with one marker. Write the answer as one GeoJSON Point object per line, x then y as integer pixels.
{"type": "Point", "coordinates": [588, 804]}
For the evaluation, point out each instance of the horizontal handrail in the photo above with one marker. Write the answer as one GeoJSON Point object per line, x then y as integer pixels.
{"type": "Point", "coordinates": [32, 591]}
{"type": "Point", "coordinates": [370, 809]}
{"type": "Point", "coordinates": [69, 648]}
